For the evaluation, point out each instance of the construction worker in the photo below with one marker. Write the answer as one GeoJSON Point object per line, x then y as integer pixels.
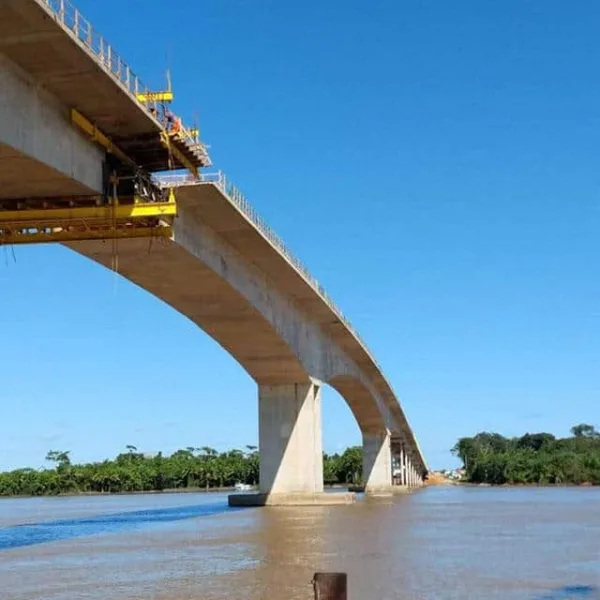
{"type": "Point", "coordinates": [173, 123]}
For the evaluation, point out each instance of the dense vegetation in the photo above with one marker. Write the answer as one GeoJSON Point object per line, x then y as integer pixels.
{"type": "Point", "coordinates": [535, 458]}
{"type": "Point", "coordinates": [133, 471]}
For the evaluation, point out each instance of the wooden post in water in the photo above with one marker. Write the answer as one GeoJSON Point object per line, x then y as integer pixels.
{"type": "Point", "coordinates": [331, 586]}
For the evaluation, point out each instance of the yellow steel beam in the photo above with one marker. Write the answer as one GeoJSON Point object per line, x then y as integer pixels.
{"type": "Point", "coordinates": [166, 140]}
{"type": "Point", "coordinates": [119, 212]}
{"type": "Point", "coordinates": [97, 136]}
{"type": "Point", "coordinates": [166, 96]}
{"type": "Point", "coordinates": [43, 237]}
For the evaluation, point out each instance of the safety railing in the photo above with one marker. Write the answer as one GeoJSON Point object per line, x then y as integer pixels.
{"type": "Point", "coordinates": [237, 198]}
{"type": "Point", "coordinates": [191, 139]}
{"type": "Point", "coordinates": [73, 21]}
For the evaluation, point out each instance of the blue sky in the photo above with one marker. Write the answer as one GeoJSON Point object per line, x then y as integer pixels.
{"type": "Point", "coordinates": [434, 164]}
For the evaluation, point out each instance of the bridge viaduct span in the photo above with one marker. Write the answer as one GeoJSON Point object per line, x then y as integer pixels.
{"type": "Point", "coordinates": [79, 136]}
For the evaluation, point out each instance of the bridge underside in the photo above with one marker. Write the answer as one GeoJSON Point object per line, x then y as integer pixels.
{"type": "Point", "coordinates": [169, 272]}
{"type": "Point", "coordinates": [23, 177]}
{"type": "Point", "coordinates": [60, 51]}
{"type": "Point", "coordinates": [34, 39]}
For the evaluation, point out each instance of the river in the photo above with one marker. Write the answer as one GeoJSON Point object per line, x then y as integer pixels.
{"type": "Point", "coordinates": [437, 543]}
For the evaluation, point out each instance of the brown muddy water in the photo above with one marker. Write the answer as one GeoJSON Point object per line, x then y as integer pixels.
{"type": "Point", "coordinates": [438, 543]}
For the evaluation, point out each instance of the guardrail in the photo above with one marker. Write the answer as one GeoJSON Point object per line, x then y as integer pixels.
{"type": "Point", "coordinates": [75, 23]}
{"type": "Point", "coordinates": [72, 20]}
{"type": "Point", "coordinates": [237, 198]}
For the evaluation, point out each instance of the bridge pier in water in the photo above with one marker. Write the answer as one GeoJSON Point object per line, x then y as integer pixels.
{"type": "Point", "coordinates": [291, 448]}
{"type": "Point", "coordinates": [405, 475]}
{"type": "Point", "coordinates": [377, 463]}
{"type": "Point", "coordinates": [291, 453]}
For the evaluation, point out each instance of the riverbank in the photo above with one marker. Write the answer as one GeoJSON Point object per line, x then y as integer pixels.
{"type": "Point", "coordinates": [191, 490]}
{"type": "Point", "coordinates": [216, 490]}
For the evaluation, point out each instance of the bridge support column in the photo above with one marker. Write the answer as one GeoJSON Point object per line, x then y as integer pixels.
{"type": "Point", "coordinates": [290, 439]}
{"type": "Point", "coordinates": [377, 463]}
{"type": "Point", "coordinates": [291, 448]}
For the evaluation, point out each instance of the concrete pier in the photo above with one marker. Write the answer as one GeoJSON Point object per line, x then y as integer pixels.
{"type": "Point", "coordinates": [290, 439]}
{"type": "Point", "coordinates": [377, 463]}
{"type": "Point", "coordinates": [291, 448]}
{"type": "Point", "coordinates": [321, 499]}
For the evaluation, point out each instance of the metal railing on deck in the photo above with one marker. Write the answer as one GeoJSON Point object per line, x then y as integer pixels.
{"type": "Point", "coordinates": [72, 20]}
{"type": "Point", "coordinates": [237, 198]}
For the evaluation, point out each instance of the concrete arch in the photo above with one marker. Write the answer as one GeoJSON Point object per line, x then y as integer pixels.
{"type": "Point", "coordinates": [361, 401]}
{"type": "Point", "coordinates": [178, 278]}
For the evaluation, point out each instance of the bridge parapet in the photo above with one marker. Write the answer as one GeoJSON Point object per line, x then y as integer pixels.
{"type": "Point", "coordinates": [80, 30]}
{"type": "Point", "coordinates": [67, 15]}
{"type": "Point", "coordinates": [174, 180]}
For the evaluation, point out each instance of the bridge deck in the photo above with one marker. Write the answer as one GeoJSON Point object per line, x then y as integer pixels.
{"type": "Point", "coordinates": [61, 52]}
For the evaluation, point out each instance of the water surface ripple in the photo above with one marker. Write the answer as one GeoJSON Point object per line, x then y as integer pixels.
{"type": "Point", "coordinates": [439, 543]}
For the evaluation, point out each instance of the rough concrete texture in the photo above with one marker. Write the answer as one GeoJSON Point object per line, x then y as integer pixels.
{"type": "Point", "coordinates": [377, 463]}
{"type": "Point", "coordinates": [291, 499]}
{"type": "Point", "coordinates": [290, 439]}
{"type": "Point", "coordinates": [41, 152]}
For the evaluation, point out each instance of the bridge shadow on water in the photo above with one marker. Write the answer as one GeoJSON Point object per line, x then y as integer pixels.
{"type": "Point", "coordinates": [30, 534]}
{"type": "Point", "coordinates": [572, 592]}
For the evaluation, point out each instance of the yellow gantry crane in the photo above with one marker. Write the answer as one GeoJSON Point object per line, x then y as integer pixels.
{"type": "Point", "coordinates": [132, 204]}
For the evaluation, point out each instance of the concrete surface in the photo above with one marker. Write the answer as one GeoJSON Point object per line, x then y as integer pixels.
{"type": "Point", "coordinates": [42, 154]}
{"type": "Point", "coordinates": [377, 462]}
{"type": "Point", "coordinates": [32, 38]}
{"type": "Point", "coordinates": [291, 499]}
{"type": "Point", "coordinates": [290, 438]}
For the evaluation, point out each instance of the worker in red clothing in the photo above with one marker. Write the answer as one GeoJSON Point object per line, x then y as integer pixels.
{"type": "Point", "coordinates": [173, 123]}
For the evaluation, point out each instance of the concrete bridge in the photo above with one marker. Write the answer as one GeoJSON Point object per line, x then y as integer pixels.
{"type": "Point", "coordinates": [75, 124]}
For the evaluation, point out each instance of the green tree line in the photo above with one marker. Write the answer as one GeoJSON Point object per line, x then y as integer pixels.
{"type": "Point", "coordinates": [534, 458]}
{"type": "Point", "coordinates": [133, 471]}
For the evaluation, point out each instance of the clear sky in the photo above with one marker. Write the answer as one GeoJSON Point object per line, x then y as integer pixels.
{"type": "Point", "coordinates": [434, 163]}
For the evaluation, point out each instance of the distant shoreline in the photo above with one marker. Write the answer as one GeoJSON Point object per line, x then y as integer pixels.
{"type": "Point", "coordinates": [512, 485]}
{"type": "Point", "coordinates": [222, 490]}
{"type": "Point", "coordinates": [214, 490]}
{"type": "Point", "coordinates": [134, 493]}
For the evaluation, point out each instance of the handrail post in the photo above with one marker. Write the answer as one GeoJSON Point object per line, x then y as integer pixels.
{"type": "Point", "coordinates": [61, 11]}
